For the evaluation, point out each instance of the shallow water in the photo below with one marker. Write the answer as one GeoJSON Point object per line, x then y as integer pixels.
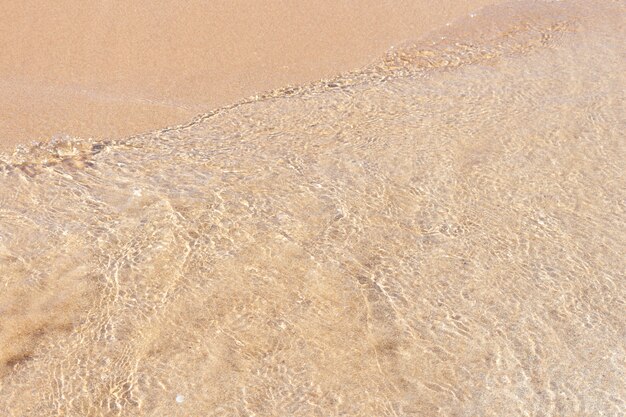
{"type": "Point", "coordinates": [442, 233]}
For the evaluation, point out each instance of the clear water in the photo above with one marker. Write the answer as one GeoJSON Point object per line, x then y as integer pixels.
{"type": "Point", "coordinates": [442, 233]}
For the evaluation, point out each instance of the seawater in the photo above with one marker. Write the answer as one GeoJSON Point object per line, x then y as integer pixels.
{"type": "Point", "coordinates": [440, 233]}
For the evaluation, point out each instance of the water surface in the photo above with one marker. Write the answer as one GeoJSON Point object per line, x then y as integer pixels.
{"type": "Point", "coordinates": [441, 233]}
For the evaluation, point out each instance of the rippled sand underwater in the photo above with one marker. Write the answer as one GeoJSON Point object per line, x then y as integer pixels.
{"type": "Point", "coordinates": [442, 233]}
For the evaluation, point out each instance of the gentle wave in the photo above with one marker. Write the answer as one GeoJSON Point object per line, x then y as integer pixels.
{"type": "Point", "coordinates": [440, 233]}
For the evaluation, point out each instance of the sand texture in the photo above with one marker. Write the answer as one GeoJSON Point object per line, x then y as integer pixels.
{"type": "Point", "coordinates": [440, 233]}
{"type": "Point", "coordinates": [109, 69]}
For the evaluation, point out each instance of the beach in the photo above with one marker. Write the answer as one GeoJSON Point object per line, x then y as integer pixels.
{"type": "Point", "coordinates": [436, 228]}
{"type": "Point", "coordinates": [116, 69]}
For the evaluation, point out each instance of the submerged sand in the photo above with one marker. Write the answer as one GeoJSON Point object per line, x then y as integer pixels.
{"type": "Point", "coordinates": [440, 233]}
{"type": "Point", "coordinates": [116, 68]}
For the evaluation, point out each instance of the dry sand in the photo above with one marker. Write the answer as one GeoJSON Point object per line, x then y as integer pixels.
{"type": "Point", "coordinates": [112, 69]}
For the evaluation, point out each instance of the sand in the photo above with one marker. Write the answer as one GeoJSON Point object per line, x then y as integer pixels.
{"type": "Point", "coordinates": [439, 233]}
{"type": "Point", "coordinates": [112, 69]}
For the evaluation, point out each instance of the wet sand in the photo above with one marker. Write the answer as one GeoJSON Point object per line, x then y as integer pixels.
{"type": "Point", "coordinates": [439, 233]}
{"type": "Point", "coordinates": [113, 69]}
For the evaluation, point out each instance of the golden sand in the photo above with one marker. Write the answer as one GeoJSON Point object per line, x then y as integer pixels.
{"type": "Point", "coordinates": [115, 68]}
{"type": "Point", "coordinates": [441, 233]}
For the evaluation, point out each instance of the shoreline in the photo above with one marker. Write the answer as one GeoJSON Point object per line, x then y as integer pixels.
{"type": "Point", "coordinates": [378, 69]}
{"type": "Point", "coordinates": [85, 101]}
{"type": "Point", "coordinates": [305, 250]}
